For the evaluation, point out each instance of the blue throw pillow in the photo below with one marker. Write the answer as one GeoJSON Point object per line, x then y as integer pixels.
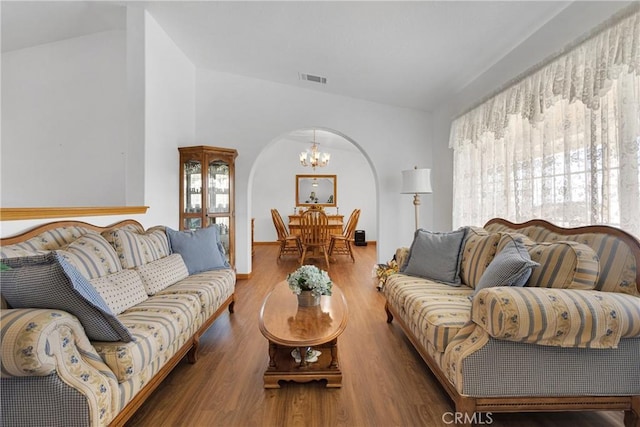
{"type": "Point", "coordinates": [510, 267]}
{"type": "Point", "coordinates": [200, 249]}
{"type": "Point", "coordinates": [436, 256]}
{"type": "Point", "coordinates": [49, 281]}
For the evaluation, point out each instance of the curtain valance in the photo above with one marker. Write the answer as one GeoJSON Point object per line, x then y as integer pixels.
{"type": "Point", "coordinates": [585, 73]}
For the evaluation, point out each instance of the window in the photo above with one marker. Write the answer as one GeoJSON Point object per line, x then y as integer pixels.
{"type": "Point", "coordinates": [561, 144]}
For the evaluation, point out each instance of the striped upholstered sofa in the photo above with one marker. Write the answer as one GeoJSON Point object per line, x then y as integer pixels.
{"type": "Point", "coordinates": [95, 367]}
{"type": "Point", "coordinates": [569, 339]}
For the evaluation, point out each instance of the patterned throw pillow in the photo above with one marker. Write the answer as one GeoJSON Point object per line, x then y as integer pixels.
{"type": "Point", "coordinates": [510, 267]}
{"type": "Point", "coordinates": [92, 256]}
{"type": "Point", "coordinates": [136, 249]}
{"type": "Point", "coordinates": [201, 249]}
{"type": "Point", "coordinates": [160, 274]}
{"type": "Point", "coordinates": [45, 242]}
{"type": "Point", "coordinates": [566, 265]}
{"type": "Point", "coordinates": [120, 290]}
{"type": "Point", "coordinates": [436, 256]}
{"type": "Point", "coordinates": [49, 281]}
{"type": "Point", "coordinates": [478, 250]}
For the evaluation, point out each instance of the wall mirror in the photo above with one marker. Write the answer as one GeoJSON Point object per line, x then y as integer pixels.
{"type": "Point", "coordinates": [318, 190]}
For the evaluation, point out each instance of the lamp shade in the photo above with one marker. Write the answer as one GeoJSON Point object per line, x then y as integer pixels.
{"type": "Point", "coordinates": [416, 181]}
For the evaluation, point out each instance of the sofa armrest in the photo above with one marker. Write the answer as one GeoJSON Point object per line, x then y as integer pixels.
{"type": "Point", "coordinates": [43, 342]}
{"type": "Point", "coordinates": [557, 317]}
{"type": "Point", "coordinates": [401, 256]}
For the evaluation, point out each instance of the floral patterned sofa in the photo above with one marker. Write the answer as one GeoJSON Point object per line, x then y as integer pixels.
{"type": "Point", "coordinates": [105, 314]}
{"type": "Point", "coordinates": [569, 339]}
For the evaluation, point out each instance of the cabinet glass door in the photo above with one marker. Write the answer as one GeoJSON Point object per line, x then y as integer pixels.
{"type": "Point", "coordinates": [192, 223]}
{"type": "Point", "coordinates": [192, 187]}
{"type": "Point", "coordinates": [222, 223]}
{"type": "Point", "coordinates": [218, 187]}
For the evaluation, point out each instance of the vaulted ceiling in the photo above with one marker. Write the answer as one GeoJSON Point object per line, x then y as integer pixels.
{"type": "Point", "coordinates": [410, 54]}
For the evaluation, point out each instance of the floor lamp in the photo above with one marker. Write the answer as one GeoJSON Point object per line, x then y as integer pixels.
{"type": "Point", "coordinates": [416, 181]}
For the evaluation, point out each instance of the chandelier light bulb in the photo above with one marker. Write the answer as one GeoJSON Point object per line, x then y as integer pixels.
{"type": "Point", "coordinates": [314, 157]}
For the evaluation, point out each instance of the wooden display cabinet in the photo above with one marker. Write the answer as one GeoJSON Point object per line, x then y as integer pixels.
{"type": "Point", "coordinates": [207, 192]}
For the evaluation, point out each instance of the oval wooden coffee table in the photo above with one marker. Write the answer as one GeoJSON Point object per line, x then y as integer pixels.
{"type": "Point", "coordinates": [289, 327]}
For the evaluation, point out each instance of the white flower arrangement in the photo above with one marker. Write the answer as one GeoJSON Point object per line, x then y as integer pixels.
{"type": "Point", "coordinates": [310, 278]}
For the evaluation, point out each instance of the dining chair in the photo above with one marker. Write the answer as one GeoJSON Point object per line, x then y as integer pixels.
{"type": "Point", "coordinates": [314, 234]}
{"type": "Point", "coordinates": [290, 244]}
{"type": "Point", "coordinates": [341, 243]}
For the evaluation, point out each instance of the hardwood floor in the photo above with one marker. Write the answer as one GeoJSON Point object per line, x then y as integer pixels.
{"type": "Point", "coordinates": [385, 382]}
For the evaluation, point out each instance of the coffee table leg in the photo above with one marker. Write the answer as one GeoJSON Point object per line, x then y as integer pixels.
{"type": "Point", "coordinates": [334, 353]}
{"type": "Point", "coordinates": [272, 355]}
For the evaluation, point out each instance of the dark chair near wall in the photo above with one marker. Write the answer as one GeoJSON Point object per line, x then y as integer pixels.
{"type": "Point", "coordinates": [340, 244]}
{"type": "Point", "coordinates": [314, 234]}
{"type": "Point", "coordinates": [289, 244]}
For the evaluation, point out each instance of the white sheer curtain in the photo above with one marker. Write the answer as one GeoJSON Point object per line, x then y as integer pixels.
{"type": "Point", "coordinates": [561, 144]}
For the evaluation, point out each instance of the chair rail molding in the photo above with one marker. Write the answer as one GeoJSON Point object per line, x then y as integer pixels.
{"type": "Point", "coordinates": [15, 214]}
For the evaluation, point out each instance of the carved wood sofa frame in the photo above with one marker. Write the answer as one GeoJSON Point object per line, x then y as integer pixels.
{"type": "Point", "coordinates": [189, 349]}
{"type": "Point", "coordinates": [469, 405]}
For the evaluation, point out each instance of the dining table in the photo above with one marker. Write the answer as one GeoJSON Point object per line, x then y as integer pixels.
{"type": "Point", "coordinates": [336, 224]}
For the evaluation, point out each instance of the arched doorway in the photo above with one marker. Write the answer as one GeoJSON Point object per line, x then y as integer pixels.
{"type": "Point", "coordinates": [272, 179]}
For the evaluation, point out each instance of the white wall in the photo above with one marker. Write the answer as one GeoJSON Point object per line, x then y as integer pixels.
{"type": "Point", "coordinates": [274, 186]}
{"type": "Point", "coordinates": [63, 123]}
{"type": "Point", "coordinates": [135, 107]}
{"type": "Point", "coordinates": [247, 114]}
{"type": "Point", "coordinates": [572, 23]}
{"type": "Point", "coordinates": [164, 121]}
{"type": "Point", "coordinates": [169, 122]}
{"type": "Point", "coordinates": [12, 228]}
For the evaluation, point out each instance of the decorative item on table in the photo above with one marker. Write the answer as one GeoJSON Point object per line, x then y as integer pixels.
{"type": "Point", "coordinates": [383, 271]}
{"type": "Point", "coordinates": [311, 355]}
{"type": "Point", "coordinates": [309, 283]}
{"type": "Point", "coordinates": [312, 198]}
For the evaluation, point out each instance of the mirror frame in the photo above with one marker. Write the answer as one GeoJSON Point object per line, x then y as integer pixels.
{"type": "Point", "coordinates": [299, 180]}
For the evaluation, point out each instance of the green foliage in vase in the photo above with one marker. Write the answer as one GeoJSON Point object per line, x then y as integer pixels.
{"type": "Point", "coordinates": [310, 278]}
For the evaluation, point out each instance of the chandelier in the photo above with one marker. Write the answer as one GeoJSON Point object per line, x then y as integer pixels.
{"type": "Point", "coordinates": [314, 157]}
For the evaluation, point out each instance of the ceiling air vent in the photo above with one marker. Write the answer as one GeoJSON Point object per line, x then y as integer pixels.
{"type": "Point", "coordinates": [312, 78]}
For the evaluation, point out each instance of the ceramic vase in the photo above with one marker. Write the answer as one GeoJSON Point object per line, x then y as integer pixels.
{"type": "Point", "coordinates": [308, 299]}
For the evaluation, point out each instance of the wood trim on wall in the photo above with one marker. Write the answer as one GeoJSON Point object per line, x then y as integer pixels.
{"type": "Point", "coordinates": [14, 214]}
